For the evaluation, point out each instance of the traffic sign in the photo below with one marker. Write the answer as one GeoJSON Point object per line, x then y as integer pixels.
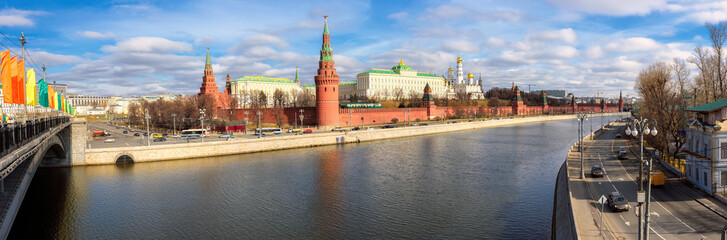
{"type": "Point", "coordinates": [602, 200]}
{"type": "Point", "coordinates": [656, 153]}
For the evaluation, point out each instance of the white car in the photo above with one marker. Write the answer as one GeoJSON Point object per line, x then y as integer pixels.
{"type": "Point", "coordinates": [369, 128]}
{"type": "Point", "coordinates": [226, 135]}
{"type": "Point", "coordinates": [231, 138]}
{"type": "Point", "coordinates": [109, 140]}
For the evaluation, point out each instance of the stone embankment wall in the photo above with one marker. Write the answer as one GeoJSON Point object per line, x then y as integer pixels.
{"type": "Point", "coordinates": [197, 150]}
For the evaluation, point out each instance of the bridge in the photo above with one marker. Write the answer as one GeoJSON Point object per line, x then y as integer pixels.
{"type": "Point", "coordinates": [25, 146]}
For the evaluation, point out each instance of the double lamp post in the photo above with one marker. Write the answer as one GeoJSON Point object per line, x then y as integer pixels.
{"type": "Point", "coordinates": [641, 128]}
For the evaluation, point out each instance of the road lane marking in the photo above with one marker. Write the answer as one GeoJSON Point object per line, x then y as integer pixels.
{"type": "Point", "coordinates": [657, 234]}
{"type": "Point", "coordinates": [614, 187]}
{"type": "Point", "coordinates": [656, 214]}
{"type": "Point", "coordinates": [672, 214]}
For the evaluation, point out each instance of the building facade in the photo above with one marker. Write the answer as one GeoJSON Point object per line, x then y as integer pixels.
{"type": "Point", "coordinates": [82, 100]}
{"type": "Point", "coordinates": [706, 147]}
{"type": "Point", "coordinates": [381, 84]}
{"type": "Point", "coordinates": [243, 88]}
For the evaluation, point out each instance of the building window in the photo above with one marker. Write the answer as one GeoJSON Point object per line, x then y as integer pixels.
{"type": "Point", "coordinates": [723, 150]}
{"type": "Point", "coordinates": [723, 179]}
{"type": "Point", "coordinates": [705, 180]}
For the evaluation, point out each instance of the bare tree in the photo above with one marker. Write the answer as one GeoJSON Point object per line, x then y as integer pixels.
{"type": "Point", "coordinates": [398, 94]}
{"type": "Point", "coordinates": [718, 35]}
{"type": "Point", "coordinates": [660, 98]}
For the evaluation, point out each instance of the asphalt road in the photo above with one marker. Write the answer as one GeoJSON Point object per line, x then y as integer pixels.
{"type": "Point", "coordinates": [675, 214]}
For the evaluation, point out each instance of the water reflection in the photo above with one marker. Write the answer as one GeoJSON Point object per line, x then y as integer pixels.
{"type": "Point", "coordinates": [494, 182]}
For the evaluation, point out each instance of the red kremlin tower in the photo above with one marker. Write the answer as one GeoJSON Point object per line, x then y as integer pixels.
{"type": "Point", "coordinates": [518, 106]}
{"type": "Point", "coordinates": [326, 84]}
{"type": "Point", "coordinates": [209, 87]}
{"type": "Point", "coordinates": [620, 102]}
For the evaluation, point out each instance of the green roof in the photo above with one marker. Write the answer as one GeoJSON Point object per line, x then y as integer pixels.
{"type": "Point", "coordinates": [208, 63]}
{"type": "Point", "coordinates": [426, 75]}
{"type": "Point", "coordinates": [309, 85]}
{"type": "Point", "coordinates": [709, 106]}
{"type": "Point", "coordinates": [346, 83]}
{"type": "Point", "coordinates": [264, 79]}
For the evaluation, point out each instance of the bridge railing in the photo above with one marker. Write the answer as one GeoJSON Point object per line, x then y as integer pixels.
{"type": "Point", "coordinates": [16, 134]}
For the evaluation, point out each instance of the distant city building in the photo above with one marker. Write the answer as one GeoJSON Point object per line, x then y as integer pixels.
{"type": "Point", "coordinates": [382, 83]}
{"type": "Point", "coordinates": [59, 88]}
{"type": "Point", "coordinates": [83, 100]}
{"type": "Point", "coordinates": [458, 84]}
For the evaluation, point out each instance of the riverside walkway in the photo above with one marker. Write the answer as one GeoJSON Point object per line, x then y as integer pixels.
{"type": "Point", "coordinates": [677, 210]}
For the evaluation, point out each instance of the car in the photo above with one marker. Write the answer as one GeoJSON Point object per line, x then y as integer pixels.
{"type": "Point", "coordinates": [137, 134]}
{"type": "Point", "coordinates": [109, 140]}
{"type": "Point", "coordinates": [622, 148]}
{"type": "Point", "coordinates": [471, 120]}
{"type": "Point", "coordinates": [369, 128]}
{"type": "Point", "coordinates": [388, 126]}
{"type": "Point", "coordinates": [356, 128]}
{"type": "Point", "coordinates": [617, 202]}
{"type": "Point", "coordinates": [176, 136]}
{"type": "Point", "coordinates": [125, 132]}
{"type": "Point", "coordinates": [335, 129]}
{"type": "Point", "coordinates": [226, 135]}
{"type": "Point", "coordinates": [231, 138]}
{"type": "Point", "coordinates": [455, 122]}
{"type": "Point", "coordinates": [308, 131]}
{"type": "Point", "coordinates": [597, 171]}
{"type": "Point", "coordinates": [146, 134]}
{"type": "Point", "coordinates": [623, 155]}
{"type": "Point", "coordinates": [618, 135]}
{"type": "Point", "coordinates": [159, 139]}
{"type": "Point", "coordinates": [423, 124]}
{"type": "Point", "coordinates": [415, 124]}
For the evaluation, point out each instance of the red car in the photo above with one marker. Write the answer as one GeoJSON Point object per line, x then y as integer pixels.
{"type": "Point", "coordinates": [308, 131]}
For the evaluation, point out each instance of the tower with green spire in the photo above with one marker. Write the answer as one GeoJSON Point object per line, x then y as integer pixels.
{"type": "Point", "coordinates": [326, 84]}
{"type": "Point", "coordinates": [209, 86]}
{"type": "Point", "coordinates": [297, 79]}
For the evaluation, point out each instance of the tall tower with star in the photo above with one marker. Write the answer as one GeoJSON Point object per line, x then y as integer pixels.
{"type": "Point", "coordinates": [326, 84]}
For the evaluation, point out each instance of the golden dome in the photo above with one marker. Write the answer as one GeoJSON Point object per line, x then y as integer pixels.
{"type": "Point", "coordinates": [450, 69]}
{"type": "Point", "coordinates": [401, 63]}
{"type": "Point", "coordinates": [470, 75]}
{"type": "Point", "coordinates": [459, 59]}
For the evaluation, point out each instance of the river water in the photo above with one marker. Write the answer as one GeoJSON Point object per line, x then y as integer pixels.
{"type": "Point", "coordinates": [494, 183]}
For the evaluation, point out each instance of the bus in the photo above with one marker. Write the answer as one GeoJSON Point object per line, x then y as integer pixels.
{"type": "Point", "coordinates": [267, 131]}
{"type": "Point", "coordinates": [194, 133]}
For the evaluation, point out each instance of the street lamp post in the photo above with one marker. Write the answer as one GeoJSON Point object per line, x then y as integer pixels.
{"type": "Point", "coordinates": [148, 135]}
{"type": "Point", "coordinates": [350, 119]}
{"type": "Point", "coordinates": [259, 114]}
{"type": "Point", "coordinates": [641, 127]}
{"type": "Point", "coordinates": [201, 119]}
{"type": "Point", "coordinates": [301, 118]}
{"type": "Point", "coordinates": [174, 124]}
{"type": "Point", "coordinates": [591, 125]}
{"type": "Point", "coordinates": [581, 117]}
{"type": "Point", "coordinates": [245, 131]}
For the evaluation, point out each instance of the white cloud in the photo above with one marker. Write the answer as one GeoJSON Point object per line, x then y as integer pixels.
{"type": "Point", "coordinates": [566, 35]}
{"type": "Point", "coordinates": [398, 16]}
{"type": "Point", "coordinates": [459, 45]}
{"type": "Point", "coordinates": [51, 59]}
{"type": "Point", "coordinates": [148, 44]}
{"type": "Point", "coordinates": [594, 52]}
{"type": "Point", "coordinates": [96, 35]}
{"type": "Point", "coordinates": [612, 7]}
{"type": "Point", "coordinates": [634, 44]}
{"type": "Point", "coordinates": [701, 12]}
{"type": "Point", "coordinates": [12, 17]}
{"type": "Point", "coordinates": [496, 42]}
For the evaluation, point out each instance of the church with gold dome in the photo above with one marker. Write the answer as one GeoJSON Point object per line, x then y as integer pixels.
{"type": "Point", "coordinates": [457, 84]}
{"type": "Point", "coordinates": [382, 84]}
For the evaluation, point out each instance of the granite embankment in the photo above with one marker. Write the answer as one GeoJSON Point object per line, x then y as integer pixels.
{"type": "Point", "coordinates": [198, 150]}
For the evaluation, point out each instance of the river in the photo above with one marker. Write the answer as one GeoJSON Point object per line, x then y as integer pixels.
{"type": "Point", "coordinates": [494, 183]}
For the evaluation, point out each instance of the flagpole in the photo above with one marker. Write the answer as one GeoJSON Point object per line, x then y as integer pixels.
{"type": "Point", "coordinates": [22, 43]}
{"type": "Point", "coordinates": [45, 80]}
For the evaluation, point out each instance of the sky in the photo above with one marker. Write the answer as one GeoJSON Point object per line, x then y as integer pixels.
{"type": "Point", "coordinates": [129, 47]}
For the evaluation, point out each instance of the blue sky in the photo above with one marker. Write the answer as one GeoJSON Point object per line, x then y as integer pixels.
{"type": "Point", "coordinates": [146, 47]}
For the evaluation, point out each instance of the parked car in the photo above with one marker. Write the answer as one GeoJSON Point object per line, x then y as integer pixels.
{"type": "Point", "coordinates": [415, 124]}
{"type": "Point", "coordinates": [109, 140]}
{"type": "Point", "coordinates": [125, 132]}
{"type": "Point", "coordinates": [159, 139]}
{"type": "Point", "coordinates": [617, 202]}
{"type": "Point", "coordinates": [231, 138]}
{"type": "Point", "coordinates": [226, 135]}
{"type": "Point", "coordinates": [356, 128]}
{"type": "Point", "coordinates": [308, 131]}
{"type": "Point", "coordinates": [137, 134]}
{"type": "Point", "coordinates": [597, 171]}
{"type": "Point", "coordinates": [388, 126]}
{"type": "Point", "coordinates": [423, 124]}
{"type": "Point", "coordinates": [336, 129]}
{"type": "Point", "coordinates": [369, 128]}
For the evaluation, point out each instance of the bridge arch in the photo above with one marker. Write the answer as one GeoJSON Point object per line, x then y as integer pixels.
{"type": "Point", "coordinates": [124, 158]}
{"type": "Point", "coordinates": [53, 153]}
